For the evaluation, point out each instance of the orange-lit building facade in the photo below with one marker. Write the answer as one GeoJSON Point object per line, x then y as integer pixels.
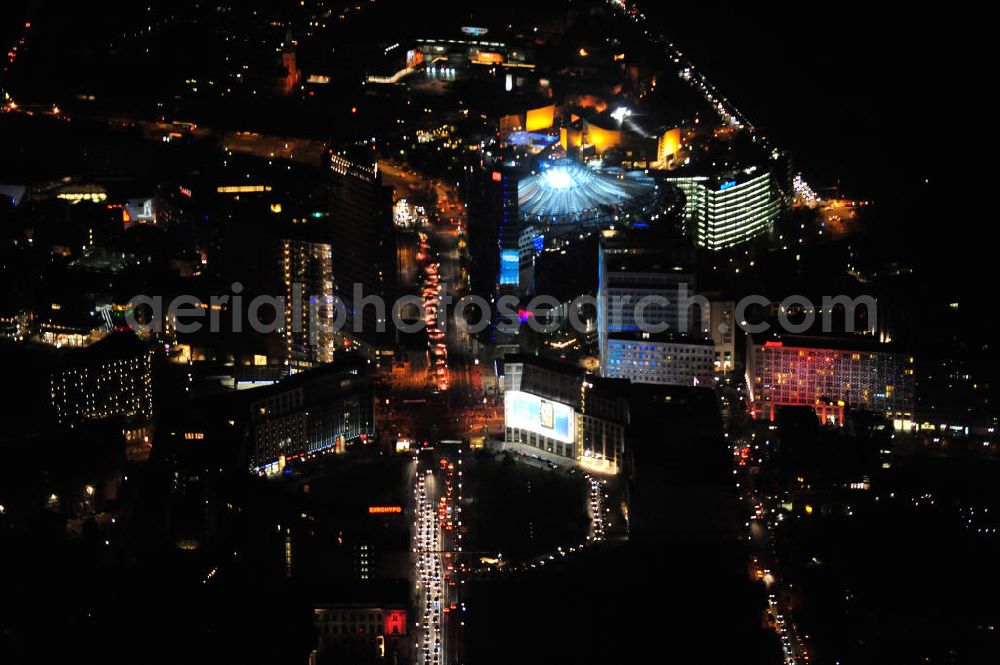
{"type": "Point", "coordinates": [668, 146]}
{"type": "Point", "coordinates": [532, 120]}
{"type": "Point", "coordinates": [486, 58]}
{"type": "Point", "coordinates": [540, 118]}
{"type": "Point", "coordinates": [293, 76]}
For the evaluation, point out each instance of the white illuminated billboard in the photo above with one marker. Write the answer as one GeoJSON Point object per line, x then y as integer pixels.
{"type": "Point", "coordinates": [541, 416]}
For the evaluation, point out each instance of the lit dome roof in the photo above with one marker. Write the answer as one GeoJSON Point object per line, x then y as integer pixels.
{"type": "Point", "coordinates": [566, 192]}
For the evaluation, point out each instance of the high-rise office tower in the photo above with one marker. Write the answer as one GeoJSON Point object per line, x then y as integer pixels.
{"type": "Point", "coordinates": [651, 325]}
{"type": "Point", "coordinates": [730, 209]}
{"type": "Point", "coordinates": [361, 237]}
{"type": "Point", "coordinates": [310, 313]}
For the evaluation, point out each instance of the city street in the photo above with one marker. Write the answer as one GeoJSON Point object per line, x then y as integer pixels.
{"type": "Point", "coordinates": [454, 382]}
{"type": "Point", "coordinates": [436, 547]}
{"type": "Point", "coordinates": [765, 565]}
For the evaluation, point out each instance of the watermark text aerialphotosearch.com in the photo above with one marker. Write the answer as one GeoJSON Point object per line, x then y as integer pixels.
{"type": "Point", "coordinates": [473, 314]}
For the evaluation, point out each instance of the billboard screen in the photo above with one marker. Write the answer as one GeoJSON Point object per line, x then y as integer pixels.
{"type": "Point", "coordinates": [139, 211]}
{"type": "Point", "coordinates": [541, 416]}
{"type": "Point", "coordinates": [510, 265]}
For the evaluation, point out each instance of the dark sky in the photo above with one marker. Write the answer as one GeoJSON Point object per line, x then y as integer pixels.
{"type": "Point", "coordinates": [875, 98]}
{"type": "Point", "coordinates": [858, 91]}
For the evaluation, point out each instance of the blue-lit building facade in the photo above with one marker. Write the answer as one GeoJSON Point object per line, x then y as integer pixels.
{"type": "Point", "coordinates": [510, 262]}
{"type": "Point", "coordinates": [665, 340]}
{"type": "Point", "coordinates": [659, 359]}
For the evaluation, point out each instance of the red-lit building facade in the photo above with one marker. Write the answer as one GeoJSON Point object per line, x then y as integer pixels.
{"type": "Point", "coordinates": [829, 374]}
{"type": "Point", "coordinates": [360, 633]}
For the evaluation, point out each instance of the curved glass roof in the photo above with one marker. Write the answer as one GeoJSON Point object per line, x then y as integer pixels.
{"type": "Point", "coordinates": [567, 190]}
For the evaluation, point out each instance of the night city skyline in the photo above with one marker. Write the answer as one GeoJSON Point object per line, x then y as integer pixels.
{"type": "Point", "coordinates": [347, 332]}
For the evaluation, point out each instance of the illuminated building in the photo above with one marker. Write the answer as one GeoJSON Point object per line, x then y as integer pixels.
{"type": "Point", "coordinates": [309, 315]}
{"type": "Point", "coordinates": [591, 130]}
{"type": "Point", "coordinates": [508, 230]}
{"type": "Point", "coordinates": [71, 336]}
{"type": "Point", "coordinates": [292, 74]}
{"type": "Point", "coordinates": [325, 257]}
{"type": "Point", "coordinates": [664, 359]}
{"type": "Point", "coordinates": [363, 559]}
{"type": "Point", "coordinates": [360, 632]}
{"type": "Point", "coordinates": [722, 211]}
{"type": "Point", "coordinates": [593, 138]}
{"type": "Point", "coordinates": [110, 379]}
{"type": "Point", "coordinates": [560, 414]}
{"type": "Point", "coordinates": [668, 146]}
{"type": "Point", "coordinates": [414, 58]}
{"type": "Point", "coordinates": [15, 325]}
{"type": "Point", "coordinates": [464, 53]}
{"type": "Point", "coordinates": [243, 189]}
{"type": "Point", "coordinates": [139, 211]}
{"type": "Point", "coordinates": [75, 193]}
{"type": "Point", "coordinates": [566, 193]}
{"type": "Point", "coordinates": [565, 200]}
{"type": "Point", "coordinates": [531, 120]}
{"type": "Point", "coordinates": [62, 335]}
{"type": "Point", "coordinates": [601, 137]}
{"type": "Point", "coordinates": [477, 57]}
{"type": "Point", "coordinates": [828, 374]}
{"type": "Point", "coordinates": [722, 329]}
{"type": "Point", "coordinates": [361, 235]}
{"type": "Point", "coordinates": [570, 137]}
{"type": "Point", "coordinates": [636, 268]}
{"type": "Point", "coordinates": [540, 118]}
{"type": "Point", "coordinates": [510, 124]}
{"type": "Point", "coordinates": [535, 142]}
{"type": "Point", "coordinates": [509, 267]}
{"type": "Point", "coordinates": [321, 410]}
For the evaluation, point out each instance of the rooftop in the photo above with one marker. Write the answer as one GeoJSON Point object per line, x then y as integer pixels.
{"type": "Point", "coordinates": [849, 343]}
{"type": "Point", "coordinates": [565, 191]}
